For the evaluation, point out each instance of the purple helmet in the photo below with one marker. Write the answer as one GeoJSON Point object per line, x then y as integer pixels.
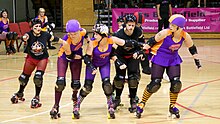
{"type": "Point", "coordinates": [178, 20]}
{"type": "Point", "coordinates": [72, 26]}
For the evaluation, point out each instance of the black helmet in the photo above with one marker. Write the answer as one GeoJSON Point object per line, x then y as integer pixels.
{"type": "Point", "coordinates": [130, 18]}
{"type": "Point", "coordinates": [120, 19]}
{"type": "Point", "coordinates": [35, 21]}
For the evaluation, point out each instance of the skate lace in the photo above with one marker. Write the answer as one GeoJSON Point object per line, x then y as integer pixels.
{"type": "Point", "coordinates": [111, 110]}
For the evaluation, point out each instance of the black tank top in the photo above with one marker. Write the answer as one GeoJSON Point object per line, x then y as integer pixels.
{"type": "Point", "coordinates": [36, 45]}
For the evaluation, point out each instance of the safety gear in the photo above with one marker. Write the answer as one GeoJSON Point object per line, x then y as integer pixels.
{"type": "Point", "coordinates": [140, 17]}
{"type": "Point", "coordinates": [178, 20]}
{"type": "Point", "coordinates": [72, 26]}
{"type": "Point", "coordinates": [35, 21]}
{"type": "Point", "coordinates": [101, 29]}
{"type": "Point", "coordinates": [130, 18]}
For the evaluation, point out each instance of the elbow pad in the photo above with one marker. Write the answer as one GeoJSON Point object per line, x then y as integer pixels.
{"type": "Point", "coordinates": [193, 50]}
{"type": "Point", "coordinates": [151, 41]}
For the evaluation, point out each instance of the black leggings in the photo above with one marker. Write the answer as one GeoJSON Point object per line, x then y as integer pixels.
{"type": "Point", "coordinates": [157, 71]}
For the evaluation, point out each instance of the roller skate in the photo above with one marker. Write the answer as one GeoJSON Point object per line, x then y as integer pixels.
{"type": "Point", "coordinates": [17, 96]}
{"type": "Point", "coordinates": [76, 114]}
{"type": "Point", "coordinates": [54, 113]}
{"type": "Point", "coordinates": [35, 102]}
{"type": "Point", "coordinates": [8, 51]}
{"type": "Point", "coordinates": [139, 109]}
{"type": "Point", "coordinates": [13, 49]}
{"type": "Point", "coordinates": [116, 103]}
{"type": "Point", "coordinates": [133, 104]}
{"type": "Point", "coordinates": [174, 112]}
{"type": "Point", "coordinates": [111, 113]}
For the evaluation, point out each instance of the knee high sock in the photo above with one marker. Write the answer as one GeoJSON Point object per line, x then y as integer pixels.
{"type": "Point", "coordinates": [38, 90]}
{"type": "Point", "coordinates": [74, 97]}
{"type": "Point", "coordinates": [57, 97]}
{"type": "Point", "coordinates": [173, 98]}
{"type": "Point", "coordinates": [146, 96]}
{"type": "Point", "coordinates": [21, 89]}
{"type": "Point", "coordinates": [132, 92]}
{"type": "Point", "coordinates": [109, 101]}
{"type": "Point", "coordinates": [118, 92]}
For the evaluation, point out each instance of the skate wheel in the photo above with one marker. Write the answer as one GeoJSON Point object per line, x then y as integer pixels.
{"type": "Point", "coordinates": [138, 115]}
{"type": "Point", "coordinates": [22, 99]}
{"type": "Point", "coordinates": [74, 116]}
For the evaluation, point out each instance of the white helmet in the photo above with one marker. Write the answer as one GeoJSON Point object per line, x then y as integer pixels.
{"type": "Point", "coordinates": [101, 29]}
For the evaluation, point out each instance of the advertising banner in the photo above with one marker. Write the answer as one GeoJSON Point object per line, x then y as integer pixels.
{"type": "Point", "coordinates": [198, 19]}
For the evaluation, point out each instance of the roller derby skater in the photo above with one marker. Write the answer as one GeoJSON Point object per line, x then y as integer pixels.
{"type": "Point", "coordinates": [37, 58]}
{"type": "Point", "coordinates": [172, 39]}
{"type": "Point", "coordinates": [69, 54]}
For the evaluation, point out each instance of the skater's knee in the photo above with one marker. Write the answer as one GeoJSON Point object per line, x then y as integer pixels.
{"type": "Point", "coordinates": [133, 81]}
{"type": "Point", "coordinates": [175, 85]}
{"type": "Point", "coordinates": [60, 84]}
{"type": "Point", "coordinates": [38, 78]}
{"type": "Point", "coordinates": [75, 85]}
{"type": "Point", "coordinates": [119, 81]}
{"type": "Point", "coordinates": [23, 79]}
{"type": "Point", "coordinates": [107, 87]}
{"type": "Point", "coordinates": [87, 88]}
{"type": "Point", "coordinates": [154, 85]}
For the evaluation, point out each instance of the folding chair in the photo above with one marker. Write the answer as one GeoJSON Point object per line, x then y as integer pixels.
{"type": "Point", "coordinates": [15, 28]}
{"type": "Point", "coordinates": [24, 28]}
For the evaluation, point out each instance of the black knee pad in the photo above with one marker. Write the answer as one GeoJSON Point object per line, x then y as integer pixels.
{"type": "Point", "coordinates": [23, 79]}
{"type": "Point", "coordinates": [75, 84]}
{"type": "Point", "coordinates": [60, 84]}
{"type": "Point", "coordinates": [38, 78]}
{"type": "Point", "coordinates": [133, 81]}
{"type": "Point", "coordinates": [9, 35]}
{"type": "Point", "coordinates": [119, 81]}
{"type": "Point", "coordinates": [107, 87]}
{"type": "Point", "coordinates": [15, 36]}
{"type": "Point", "coordinates": [154, 85]}
{"type": "Point", "coordinates": [87, 88]}
{"type": "Point", "coordinates": [176, 85]}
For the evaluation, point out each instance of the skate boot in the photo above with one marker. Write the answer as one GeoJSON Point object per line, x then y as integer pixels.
{"type": "Point", "coordinates": [174, 112]}
{"type": "Point", "coordinates": [54, 113]}
{"type": "Point", "coordinates": [17, 96]}
{"type": "Point", "coordinates": [133, 104]}
{"type": "Point", "coordinates": [8, 51]}
{"type": "Point", "coordinates": [35, 102]}
{"type": "Point", "coordinates": [76, 109]}
{"type": "Point", "coordinates": [139, 109]}
{"type": "Point", "coordinates": [116, 103]}
{"type": "Point", "coordinates": [111, 113]}
{"type": "Point", "coordinates": [13, 49]}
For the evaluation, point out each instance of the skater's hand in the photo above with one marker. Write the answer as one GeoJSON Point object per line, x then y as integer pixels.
{"type": "Point", "coordinates": [77, 56]}
{"type": "Point", "coordinates": [25, 37]}
{"type": "Point", "coordinates": [146, 46]}
{"type": "Point", "coordinates": [123, 66]}
{"type": "Point", "coordinates": [66, 47]}
{"type": "Point", "coordinates": [94, 71]}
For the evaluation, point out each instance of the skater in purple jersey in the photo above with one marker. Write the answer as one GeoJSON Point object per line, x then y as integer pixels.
{"type": "Point", "coordinates": [164, 55]}
{"type": "Point", "coordinates": [69, 54]}
{"type": "Point", "coordinates": [98, 55]}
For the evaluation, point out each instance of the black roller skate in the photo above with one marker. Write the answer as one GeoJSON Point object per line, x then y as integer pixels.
{"type": "Point", "coordinates": [133, 104]}
{"type": "Point", "coordinates": [8, 51]}
{"type": "Point", "coordinates": [35, 102]}
{"type": "Point", "coordinates": [17, 96]}
{"type": "Point", "coordinates": [139, 109]}
{"type": "Point", "coordinates": [76, 114]}
{"type": "Point", "coordinates": [111, 113]}
{"type": "Point", "coordinates": [13, 49]}
{"type": "Point", "coordinates": [116, 103]}
{"type": "Point", "coordinates": [54, 113]}
{"type": "Point", "coordinates": [174, 112]}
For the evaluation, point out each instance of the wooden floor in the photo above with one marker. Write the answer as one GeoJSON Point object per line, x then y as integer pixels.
{"type": "Point", "coordinates": [198, 101]}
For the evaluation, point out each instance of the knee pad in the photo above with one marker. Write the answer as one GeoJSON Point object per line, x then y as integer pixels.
{"type": "Point", "coordinates": [75, 84]}
{"type": "Point", "coordinates": [9, 35]}
{"type": "Point", "coordinates": [133, 81]}
{"type": "Point", "coordinates": [87, 88]}
{"type": "Point", "coordinates": [119, 81]}
{"type": "Point", "coordinates": [38, 78]}
{"type": "Point", "coordinates": [23, 79]}
{"type": "Point", "coordinates": [175, 85]}
{"type": "Point", "coordinates": [107, 87]}
{"type": "Point", "coordinates": [15, 36]}
{"type": "Point", "coordinates": [154, 85]}
{"type": "Point", "coordinates": [60, 84]}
